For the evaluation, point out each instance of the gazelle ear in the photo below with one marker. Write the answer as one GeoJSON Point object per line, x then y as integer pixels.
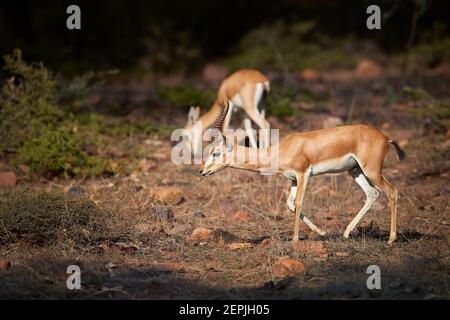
{"type": "Point", "coordinates": [197, 113]}
{"type": "Point", "coordinates": [191, 116]}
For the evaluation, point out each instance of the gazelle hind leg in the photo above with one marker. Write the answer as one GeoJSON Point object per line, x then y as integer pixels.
{"type": "Point", "coordinates": [371, 195]}
{"type": "Point", "coordinates": [250, 133]}
{"type": "Point", "coordinates": [311, 225]}
{"type": "Point", "coordinates": [384, 185]}
{"type": "Point", "coordinates": [251, 101]}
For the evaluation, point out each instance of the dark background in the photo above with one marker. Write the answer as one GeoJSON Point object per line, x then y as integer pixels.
{"type": "Point", "coordinates": [113, 32]}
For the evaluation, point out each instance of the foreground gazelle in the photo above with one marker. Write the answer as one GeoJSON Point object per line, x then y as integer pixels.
{"type": "Point", "coordinates": [245, 89]}
{"type": "Point", "coordinates": [358, 149]}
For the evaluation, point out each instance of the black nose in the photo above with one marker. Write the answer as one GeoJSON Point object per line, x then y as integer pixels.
{"type": "Point", "coordinates": [201, 171]}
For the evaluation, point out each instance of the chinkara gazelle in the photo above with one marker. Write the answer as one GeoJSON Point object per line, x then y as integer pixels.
{"type": "Point", "coordinates": [358, 149]}
{"type": "Point", "coordinates": [243, 89]}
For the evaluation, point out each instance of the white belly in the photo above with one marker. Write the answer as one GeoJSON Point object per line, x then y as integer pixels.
{"type": "Point", "coordinates": [337, 165]}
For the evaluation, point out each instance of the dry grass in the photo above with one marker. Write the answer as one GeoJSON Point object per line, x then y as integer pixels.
{"type": "Point", "coordinates": [155, 262]}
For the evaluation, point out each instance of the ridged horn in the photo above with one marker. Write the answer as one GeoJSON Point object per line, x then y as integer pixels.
{"type": "Point", "coordinates": [218, 124]}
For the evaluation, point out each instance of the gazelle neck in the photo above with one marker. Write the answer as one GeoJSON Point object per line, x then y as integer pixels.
{"type": "Point", "coordinates": [210, 116]}
{"type": "Point", "coordinates": [255, 159]}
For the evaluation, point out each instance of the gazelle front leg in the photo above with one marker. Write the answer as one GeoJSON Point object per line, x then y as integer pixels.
{"type": "Point", "coordinates": [291, 206]}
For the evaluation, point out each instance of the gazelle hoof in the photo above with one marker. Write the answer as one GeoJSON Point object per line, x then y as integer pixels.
{"type": "Point", "coordinates": [391, 240]}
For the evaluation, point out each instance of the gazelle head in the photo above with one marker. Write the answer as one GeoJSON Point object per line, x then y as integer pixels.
{"type": "Point", "coordinates": [220, 151]}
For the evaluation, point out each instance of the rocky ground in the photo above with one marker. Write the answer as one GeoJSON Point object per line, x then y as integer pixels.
{"type": "Point", "coordinates": [228, 235]}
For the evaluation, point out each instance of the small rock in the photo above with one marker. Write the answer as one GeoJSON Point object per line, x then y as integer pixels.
{"type": "Point", "coordinates": [5, 264]}
{"type": "Point", "coordinates": [239, 245]}
{"type": "Point", "coordinates": [147, 165]}
{"type": "Point", "coordinates": [199, 214]}
{"type": "Point", "coordinates": [270, 242]}
{"type": "Point", "coordinates": [124, 248]}
{"type": "Point", "coordinates": [75, 191]}
{"type": "Point", "coordinates": [163, 213]}
{"type": "Point", "coordinates": [199, 234]}
{"type": "Point", "coordinates": [316, 248]}
{"type": "Point", "coordinates": [177, 229]}
{"type": "Point", "coordinates": [143, 227]}
{"type": "Point", "coordinates": [110, 266]}
{"type": "Point", "coordinates": [403, 143]}
{"type": "Point", "coordinates": [368, 68]}
{"type": "Point", "coordinates": [285, 267]}
{"type": "Point", "coordinates": [310, 75]}
{"type": "Point", "coordinates": [168, 195]}
{"type": "Point", "coordinates": [24, 168]}
{"type": "Point", "coordinates": [341, 254]}
{"type": "Point", "coordinates": [8, 179]}
{"type": "Point", "coordinates": [169, 267]}
{"type": "Point", "coordinates": [241, 216]}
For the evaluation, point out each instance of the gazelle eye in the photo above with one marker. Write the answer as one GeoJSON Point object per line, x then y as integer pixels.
{"type": "Point", "coordinates": [216, 154]}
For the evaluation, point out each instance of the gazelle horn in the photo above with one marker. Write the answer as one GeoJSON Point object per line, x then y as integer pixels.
{"type": "Point", "coordinates": [217, 126]}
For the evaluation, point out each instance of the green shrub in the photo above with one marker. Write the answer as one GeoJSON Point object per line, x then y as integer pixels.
{"type": "Point", "coordinates": [27, 103]}
{"type": "Point", "coordinates": [186, 96]}
{"type": "Point", "coordinates": [48, 217]}
{"type": "Point", "coordinates": [433, 47]}
{"type": "Point", "coordinates": [56, 151]}
{"type": "Point", "coordinates": [433, 112]}
{"type": "Point", "coordinates": [290, 46]}
{"type": "Point", "coordinates": [36, 129]}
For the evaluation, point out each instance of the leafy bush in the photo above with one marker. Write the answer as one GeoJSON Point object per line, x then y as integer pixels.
{"type": "Point", "coordinates": [56, 151]}
{"type": "Point", "coordinates": [279, 101]}
{"type": "Point", "coordinates": [290, 46]}
{"type": "Point", "coordinates": [34, 128]}
{"type": "Point", "coordinates": [186, 96]}
{"type": "Point", "coordinates": [435, 113]}
{"type": "Point", "coordinates": [433, 46]}
{"type": "Point", "coordinates": [27, 103]}
{"type": "Point", "coordinates": [45, 217]}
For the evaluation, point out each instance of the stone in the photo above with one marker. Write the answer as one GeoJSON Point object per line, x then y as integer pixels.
{"type": "Point", "coordinates": [341, 254]}
{"type": "Point", "coordinates": [8, 179]}
{"type": "Point", "coordinates": [199, 214]}
{"type": "Point", "coordinates": [75, 191]}
{"type": "Point", "coordinates": [285, 267]}
{"type": "Point", "coordinates": [199, 234]}
{"type": "Point", "coordinates": [5, 264]}
{"type": "Point", "coordinates": [367, 68]}
{"type": "Point", "coordinates": [147, 165]}
{"type": "Point", "coordinates": [239, 245]}
{"type": "Point", "coordinates": [168, 195]}
{"type": "Point", "coordinates": [310, 75]}
{"type": "Point", "coordinates": [315, 248]}
{"type": "Point", "coordinates": [24, 168]}
{"type": "Point", "coordinates": [241, 216]}
{"type": "Point", "coordinates": [162, 213]}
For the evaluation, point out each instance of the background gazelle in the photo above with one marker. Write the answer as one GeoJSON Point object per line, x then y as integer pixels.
{"type": "Point", "coordinates": [245, 89]}
{"type": "Point", "coordinates": [358, 149]}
